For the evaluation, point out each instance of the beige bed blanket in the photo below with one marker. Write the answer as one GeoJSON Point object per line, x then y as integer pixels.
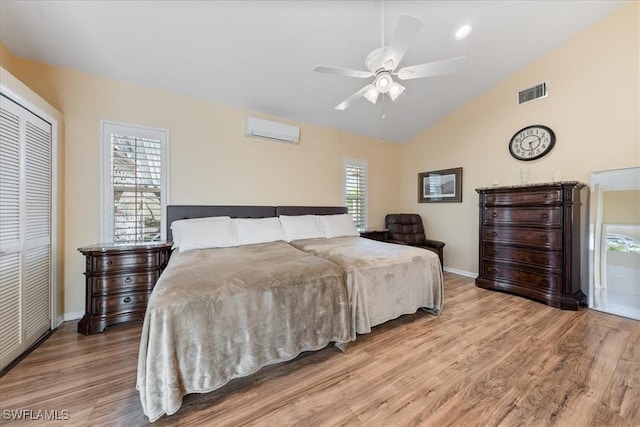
{"type": "Point", "coordinates": [219, 314]}
{"type": "Point", "coordinates": [385, 280]}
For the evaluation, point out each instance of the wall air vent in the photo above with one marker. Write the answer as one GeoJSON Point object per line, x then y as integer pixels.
{"type": "Point", "coordinates": [532, 93]}
{"type": "Point", "coordinates": [280, 132]}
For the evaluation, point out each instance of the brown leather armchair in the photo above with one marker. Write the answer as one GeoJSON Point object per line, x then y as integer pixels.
{"type": "Point", "coordinates": [407, 229]}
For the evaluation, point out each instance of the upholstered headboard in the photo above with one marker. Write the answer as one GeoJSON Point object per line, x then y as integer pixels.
{"type": "Point", "coordinates": [310, 210]}
{"type": "Point", "coordinates": [176, 212]}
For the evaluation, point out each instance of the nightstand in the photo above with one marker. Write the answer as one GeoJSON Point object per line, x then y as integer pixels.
{"type": "Point", "coordinates": [119, 279]}
{"type": "Point", "coordinates": [381, 235]}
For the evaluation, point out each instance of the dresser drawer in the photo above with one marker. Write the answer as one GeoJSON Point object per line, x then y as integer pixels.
{"type": "Point", "coordinates": [124, 282]}
{"type": "Point", "coordinates": [121, 303]}
{"type": "Point", "coordinates": [524, 198]}
{"type": "Point", "coordinates": [116, 262]}
{"type": "Point", "coordinates": [546, 259]}
{"type": "Point", "coordinates": [551, 239]}
{"type": "Point", "coordinates": [503, 272]}
{"type": "Point", "coordinates": [538, 216]}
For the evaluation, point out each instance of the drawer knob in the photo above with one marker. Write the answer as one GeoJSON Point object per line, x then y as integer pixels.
{"type": "Point", "coordinates": [544, 215]}
{"type": "Point", "coordinates": [127, 300]}
{"type": "Point", "coordinates": [543, 238]}
{"type": "Point", "coordinates": [544, 282]}
{"type": "Point", "coordinates": [109, 262]}
{"type": "Point", "coordinates": [494, 234]}
{"type": "Point", "coordinates": [495, 214]}
{"type": "Point", "coordinates": [128, 279]}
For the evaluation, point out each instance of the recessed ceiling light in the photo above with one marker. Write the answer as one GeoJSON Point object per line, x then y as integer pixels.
{"type": "Point", "coordinates": [463, 32]}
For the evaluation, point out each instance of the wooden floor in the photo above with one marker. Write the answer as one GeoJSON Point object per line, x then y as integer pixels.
{"type": "Point", "coordinates": [489, 359]}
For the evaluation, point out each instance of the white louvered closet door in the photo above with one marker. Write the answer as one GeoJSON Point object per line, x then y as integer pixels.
{"type": "Point", "coordinates": [25, 229]}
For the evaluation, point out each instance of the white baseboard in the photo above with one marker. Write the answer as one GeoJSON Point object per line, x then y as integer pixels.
{"type": "Point", "coordinates": [59, 320]}
{"type": "Point", "coordinates": [73, 315]}
{"type": "Point", "coordinates": [460, 272]}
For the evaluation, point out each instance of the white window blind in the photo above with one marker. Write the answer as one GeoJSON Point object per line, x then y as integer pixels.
{"type": "Point", "coordinates": [135, 176]}
{"type": "Point", "coordinates": [355, 190]}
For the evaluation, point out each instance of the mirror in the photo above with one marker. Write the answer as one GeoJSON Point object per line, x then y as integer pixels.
{"type": "Point", "coordinates": [614, 242]}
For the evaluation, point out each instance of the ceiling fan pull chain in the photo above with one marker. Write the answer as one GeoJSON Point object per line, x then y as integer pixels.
{"type": "Point", "coordinates": [382, 22]}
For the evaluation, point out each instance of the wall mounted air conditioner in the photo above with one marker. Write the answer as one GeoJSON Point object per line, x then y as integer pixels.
{"type": "Point", "coordinates": [259, 128]}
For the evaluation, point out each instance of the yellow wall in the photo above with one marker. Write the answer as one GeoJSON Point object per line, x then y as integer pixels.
{"type": "Point", "coordinates": [621, 207]}
{"type": "Point", "coordinates": [212, 162]}
{"type": "Point", "coordinates": [593, 107]}
{"type": "Point", "coordinates": [24, 95]}
{"type": "Point", "coordinates": [6, 58]}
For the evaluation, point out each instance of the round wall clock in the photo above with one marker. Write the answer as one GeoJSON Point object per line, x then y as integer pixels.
{"type": "Point", "coordinates": [532, 142]}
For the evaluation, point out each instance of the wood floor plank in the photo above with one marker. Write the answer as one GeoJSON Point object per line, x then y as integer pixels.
{"type": "Point", "coordinates": [490, 358]}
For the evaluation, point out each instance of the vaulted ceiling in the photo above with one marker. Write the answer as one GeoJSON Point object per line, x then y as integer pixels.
{"type": "Point", "coordinates": [260, 55]}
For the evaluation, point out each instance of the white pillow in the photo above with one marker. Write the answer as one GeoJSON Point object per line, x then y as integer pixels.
{"type": "Point", "coordinates": [338, 226]}
{"type": "Point", "coordinates": [261, 230]}
{"type": "Point", "coordinates": [218, 233]}
{"type": "Point", "coordinates": [176, 226]}
{"type": "Point", "coordinates": [301, 227]}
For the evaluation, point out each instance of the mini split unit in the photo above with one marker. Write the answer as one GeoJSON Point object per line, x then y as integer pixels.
{"type": "Point", "coordinates": [259, 128]}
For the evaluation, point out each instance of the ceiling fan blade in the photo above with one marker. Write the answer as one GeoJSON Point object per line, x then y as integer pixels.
{"type": "Point", "coordinates": [406, 31]}
{"type": "Point", "coordinates": [359, 94]}
{"type": "Point", "coordinates": [437, 68]}
{"type": "Point", "coordinates": [343, 72]}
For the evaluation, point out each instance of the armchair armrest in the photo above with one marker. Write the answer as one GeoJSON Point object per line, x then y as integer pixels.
{"type": "Point", "coordinates": [434, 244]}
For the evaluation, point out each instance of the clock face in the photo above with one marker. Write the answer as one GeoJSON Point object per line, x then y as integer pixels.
{"type": "Point", "coordinates": [532, 142]}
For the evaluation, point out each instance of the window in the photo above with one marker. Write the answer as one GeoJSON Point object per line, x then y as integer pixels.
{"type": "Point", "coordinates": [134, 183]}
{"type": "Point", "coordinates": [355, 190]}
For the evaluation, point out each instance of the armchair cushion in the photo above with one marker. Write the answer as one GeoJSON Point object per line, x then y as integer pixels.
{"type": "Point", "coordinates": [408, 229]}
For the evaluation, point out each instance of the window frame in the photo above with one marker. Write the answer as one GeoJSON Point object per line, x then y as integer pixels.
{"type": "Point", "coordinates": [106, 193]}
{"type": "Point", "coordinates": [361, 163]}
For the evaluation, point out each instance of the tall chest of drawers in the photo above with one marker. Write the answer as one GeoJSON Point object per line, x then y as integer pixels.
{"type": "Point", "coordinates": [530, 242]}
{"type": "Point", "coordinates": [119, 279]}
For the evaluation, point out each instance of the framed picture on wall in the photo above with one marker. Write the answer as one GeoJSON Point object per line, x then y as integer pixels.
{"type": "Point", "coordinates": [440, 186]}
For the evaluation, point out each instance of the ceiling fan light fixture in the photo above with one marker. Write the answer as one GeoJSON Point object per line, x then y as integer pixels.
{"type": "Point", "coordinates": [371, 94]}
{"type": "Point", "coordinates": [463, 32]}
{"type": "Point", "coordinates": [395, 91]}
{"type": "Point", "coordinates": [383, 82]}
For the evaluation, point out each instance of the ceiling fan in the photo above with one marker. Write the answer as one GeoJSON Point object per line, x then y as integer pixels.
{"type": "Point", "coordinates": [383, 61]}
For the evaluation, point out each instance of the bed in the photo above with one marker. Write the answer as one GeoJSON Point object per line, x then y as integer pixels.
{"type": "Point", "coordinates": [385, 280]}
{"type": "Point", "coordinates": [221, 313]}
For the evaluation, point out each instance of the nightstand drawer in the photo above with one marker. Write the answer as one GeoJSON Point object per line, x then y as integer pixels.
{"type": "Point", "coordinates": [519, 216]}
{"type": "Point", "coordinates": [124, 282]}
{"type": "Point", "coordinates": [115, 262]}
{"type": "Point", "coordinates": [121, 303]}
